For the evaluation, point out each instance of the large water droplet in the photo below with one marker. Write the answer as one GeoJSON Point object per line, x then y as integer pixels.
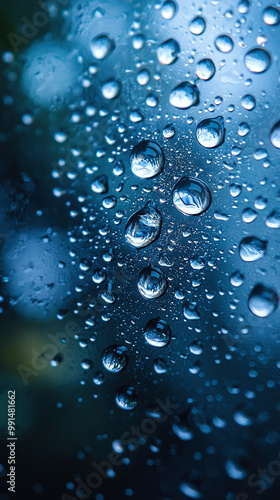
{"type": "Point", "coordinates": [205, 69]}
{"type": "Point", "coordinates": [152, 282]}
{"type": "Point", "coordinates": [184, 96]}
{"type": "Point", "coordinates": [126, 398]}
{"type": "Point", "coordinates": [210, 133]}
{"type": "Point", "coordinates": [197, 25]}
{"type": "Point", "coordinates": [101, 46]}
{"type": "Point", "coordinates": [168, 51]}
{"type": "Point", "coordinates": [271, 15]}
{"type": "Point", "coordinates": [143, 227]}
{"type": "Point", "coordinates": [263, 301]}
{"type": "Point", "coordinates": [273, 219]}
{"type": "Point", "coordinates": [252, 248]}
{"type": "Point", "coordinates": [147, 159]}
{"type": "Point", "coordinates": [224, 43]}
{"type": "Point", "coordinates": [115, 358]}
{"type": "Point", "coordinates": [111, 89]}
{"type": "Point", "coordinates": [191, 196]}
{"type": "Point", "coordinates": [157, 332]}
{"type": "Point", "coordinates": [168, 10]}
{"type": "Point", "coordinates": [257, 60]}
{"type": "Point", "coordinates": [275, 135]}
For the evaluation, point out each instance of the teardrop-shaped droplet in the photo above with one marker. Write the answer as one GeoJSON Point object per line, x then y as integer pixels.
{"type": "Point", "coordinates": [143, 227]}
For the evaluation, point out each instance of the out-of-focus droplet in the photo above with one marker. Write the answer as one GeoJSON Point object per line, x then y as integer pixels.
{"type": "Point", "coordinates": [191, 196]}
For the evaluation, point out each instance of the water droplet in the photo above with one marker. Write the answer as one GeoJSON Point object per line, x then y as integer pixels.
{"type": "Point", "coordinates": [147, 159]}
{"type": "Point", "coordinates": [157, 332]}
{"type": "Point", "coordinates": [168, 51]}
{"type": "Point", "coordinates": [181, 427]}
{"type": "Point", "coordinates": [190, 310]}
{"type": "Point", "coordinates": [86, 364]}
{"type": "Point", "coordinates": [143, 227]}
{"type": "Point", "coordinates": [184, 96]}
{"type": "Point", "coordinates": [168, 10]}
{"type": "Point", "coordinates": [248, 102]}
{"type": "Point", "coordinates": [243, 129]}
{"type": "Point", "coordinates": [168, 131]}
{"type": "Point", "coordinates": [263, 301]}
{"type": "Point", "coordinates": [257, 60]}
{"type": "Point", "coordinates": [252, 248]}
{"type": "Point", "coordinates": [115, 358]}
{"type": "Point", "coordinates": [205, 69]}
{"type": "Point", "coordinates": [191, 196]}
{"type": "Point", "coordinates": [210, 133]}
{"type": "Point", "coordinates": [126, 398]}
{"type": "Point", "coordinates": [224, 43]}
{"type": "Point", "coordinates": [152, 282]}
{"type": "Point", "coordinates": [100, 184]}
{"type": "Point", "coordinates": [143, 77]}
{"type": "Point", "coordinates": [99, 275]}
{"type": "Point", "coordinates": [160, 366]}
{"type": "Point", "coordinates": [189, 489]}
{"type": "Point", "coordinates": [249, 215]}
{"type": "Point", "coordinates": [237, 279]}
{"type": "Point", "coordinates": [197, 25]}
{"type": "Point", "coordinates": [275, 135]}
{"type": "Point", "coordinates": [271, 15]}
{"type": "Point", "coordinates": [111, 89]}
{"type": "Point", "coordinates": [273, 219]}
{"type": "Point", "coordinates": [101, 46]}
